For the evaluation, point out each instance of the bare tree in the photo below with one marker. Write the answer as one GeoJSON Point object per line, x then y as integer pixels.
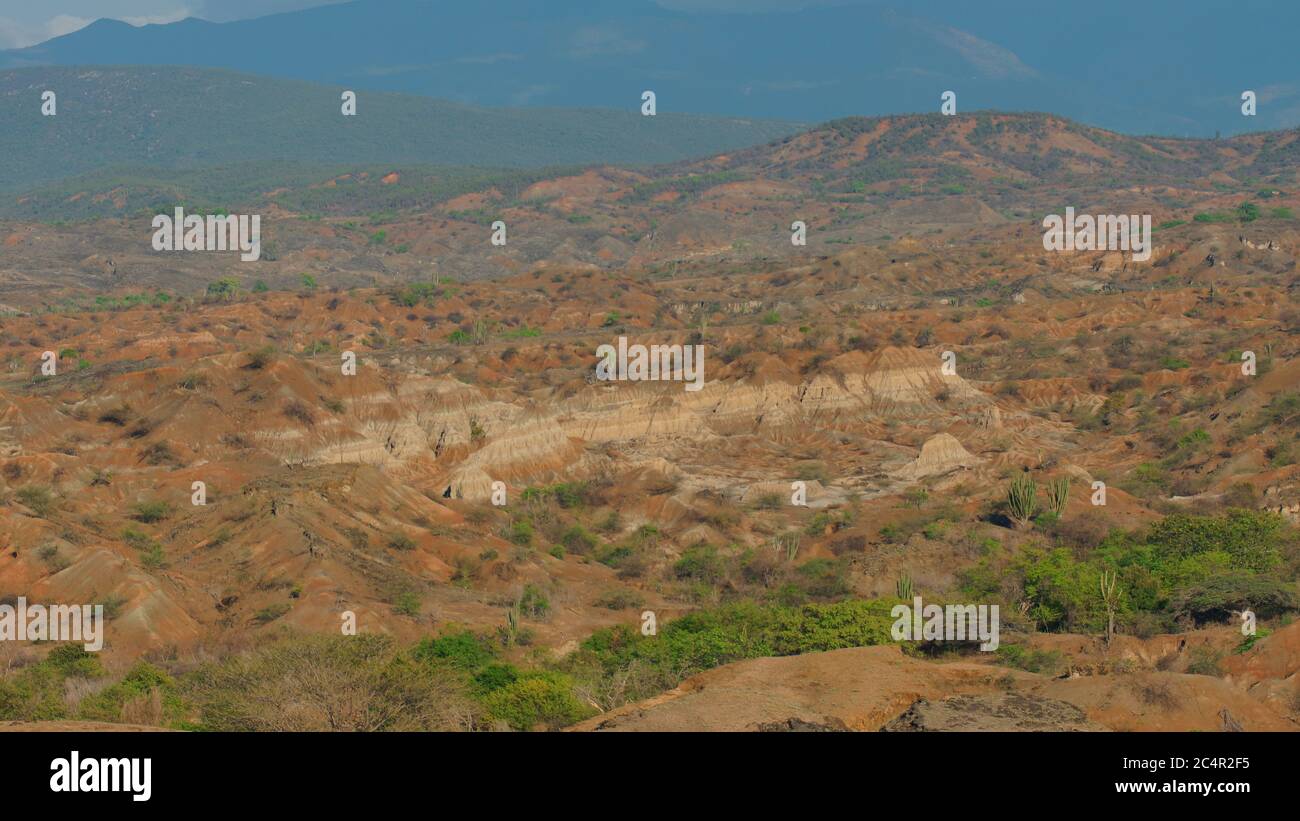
{"type": "Point", "coordinates": [330, 683]}
{"type": "Point", "coordinates": [1110, 601]}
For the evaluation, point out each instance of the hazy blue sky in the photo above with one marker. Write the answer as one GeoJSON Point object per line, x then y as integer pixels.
{"type": "Point", "coordinates": [23, 23]}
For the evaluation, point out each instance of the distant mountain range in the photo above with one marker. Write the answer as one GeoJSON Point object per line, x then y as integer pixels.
{"type": "Point", "coordinates": [1159, 66]}
{"type": "Point", "coordinates": [154, 118]}
{"type": "Point", "coordinates": [1008, 162]}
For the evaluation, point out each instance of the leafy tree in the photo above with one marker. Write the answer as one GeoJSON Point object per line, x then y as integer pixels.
{"type": "Point", "coordinates": [226, 288]}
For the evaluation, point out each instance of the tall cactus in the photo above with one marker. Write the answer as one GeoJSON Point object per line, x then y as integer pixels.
{"type": "Point", "coordinates": [1022, 499]}
{"type": "Point", "coordinates": [1110, 600]}
{"type": "Point", "coordinates": [903, 587]}
{"type": "Point", "coordinates": [788, 543]}
{"type": "Point", "coordinates": [511, 632]}
{"type": "Point", "coordinates": [1058, 493]}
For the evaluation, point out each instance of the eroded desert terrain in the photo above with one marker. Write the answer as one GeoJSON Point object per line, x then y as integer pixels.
{"type": "Point", "coordinates": [371, 494]}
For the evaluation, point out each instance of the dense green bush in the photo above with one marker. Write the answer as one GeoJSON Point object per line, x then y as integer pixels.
{"type": "Point", "coordinates": [1035, 661]}
{"type": "Point", "coordinates": [565, 494]}
{"type": "Point", "coordinates": [712, 637]}
{"type": "Point", "coordinates": [538, 700]}
{"type": "Point", "coordinates": [460, 648]}
{"type": "Point", "coordinates": [140, 683]}
{"type": "Point", "coordinates": [1251, 538]}
{"type": "Point", "coordinates": [36, 692]}
{"type": "Point", "coordinates": [1182, 567]}
{"type": "Point", "coordinates": [700, 563]}
{"type": "Point", "coordinates": [151, 512]}
{"type": "Point", "coordinates": [578, 540]}
{"type": "Point", "coordinates": [1218, 598]}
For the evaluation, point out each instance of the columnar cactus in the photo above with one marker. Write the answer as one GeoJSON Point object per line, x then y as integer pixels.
{"type": "Point", "coordinates": [1058, 493]}
{"type": "Point", "coordinates": [1022, 499]}
{"type": "Point", "coordinates": [903, 587]}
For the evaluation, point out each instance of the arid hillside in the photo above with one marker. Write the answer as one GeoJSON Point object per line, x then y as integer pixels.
{"type": "Point", "coordinates": [981, 177]}
{"type": "Point", "coordinates": [914, 373]}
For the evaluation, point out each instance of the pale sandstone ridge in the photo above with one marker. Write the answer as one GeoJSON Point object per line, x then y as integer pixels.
{"type": "Point", "coordinates": [941, 454]}
{"type": "Point", "coordinates": [427, 426]}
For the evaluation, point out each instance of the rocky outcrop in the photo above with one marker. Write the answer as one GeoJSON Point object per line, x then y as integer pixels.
{"type": "Point", "coordinates": [462, 434]}
{"type": "Point", "coordinates": [941, 454]}
{"type": "Point", "coordinates": [995, 712]}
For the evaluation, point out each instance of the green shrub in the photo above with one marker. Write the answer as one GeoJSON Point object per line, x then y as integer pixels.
{"type": "Point", "coordinates": [260, 358]}
{"type": "Point", "coordinates": [400, 541]}
{"type": "Point", "coordinates": [1034, 661]}
{"type": "Point", "coordinates": [150, 512]}
{"type": "Point", "coordinates": [537, 700]}
{"type": "Point", "coordinates": [700, 563]}
{"type": "Point", "coordinates": [577, 540]}
{"type": "Point", "coordinates": [137, 539]}
{"type": "Point", "coordinates": [493, 677]}
{"type": "Point", "coordinates": [1251, 538]}
{"type": "Point", "coordinates": [1218, 598]}
{"type": "Point", "coordinates": [1182, 567]}
{"type": "Point", "coordinates": [708, 638]}
{"type": "Point", "coordinates": [822, 578]}
{"type": "Point", "coordinates": [37, 498]}
{"type": "Point", "coordinates": [1214, 216]}
{"type": "Point", "coordinates": [521, 532]}
{"type": "Point", "coordinates": [1205, 662]}
{"type": "Point", "coordinates": [533, 602]}
{"type": "Point", "coordinates": [153, 557]}
{"type": "Point", "coordinates": [271, 612]}
{"type": "Point", "coordinates": [565, 494]}
{"type": "Point", "coordinates": [140, 683]}
{"type": "Point", "coordinates": [407, 603]}
{"type": "Point", "coordinates": [460, 648]}
{"type": "Point", "coordinates": [36, 692]}
{"type": "Point", "coordinates": [1248, 642]}
{"type": "Point", "coordinates": [620, 600]}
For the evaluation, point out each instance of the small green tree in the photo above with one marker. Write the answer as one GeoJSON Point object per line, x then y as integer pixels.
{"type": "Point", "coordinates": [226, 288]}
